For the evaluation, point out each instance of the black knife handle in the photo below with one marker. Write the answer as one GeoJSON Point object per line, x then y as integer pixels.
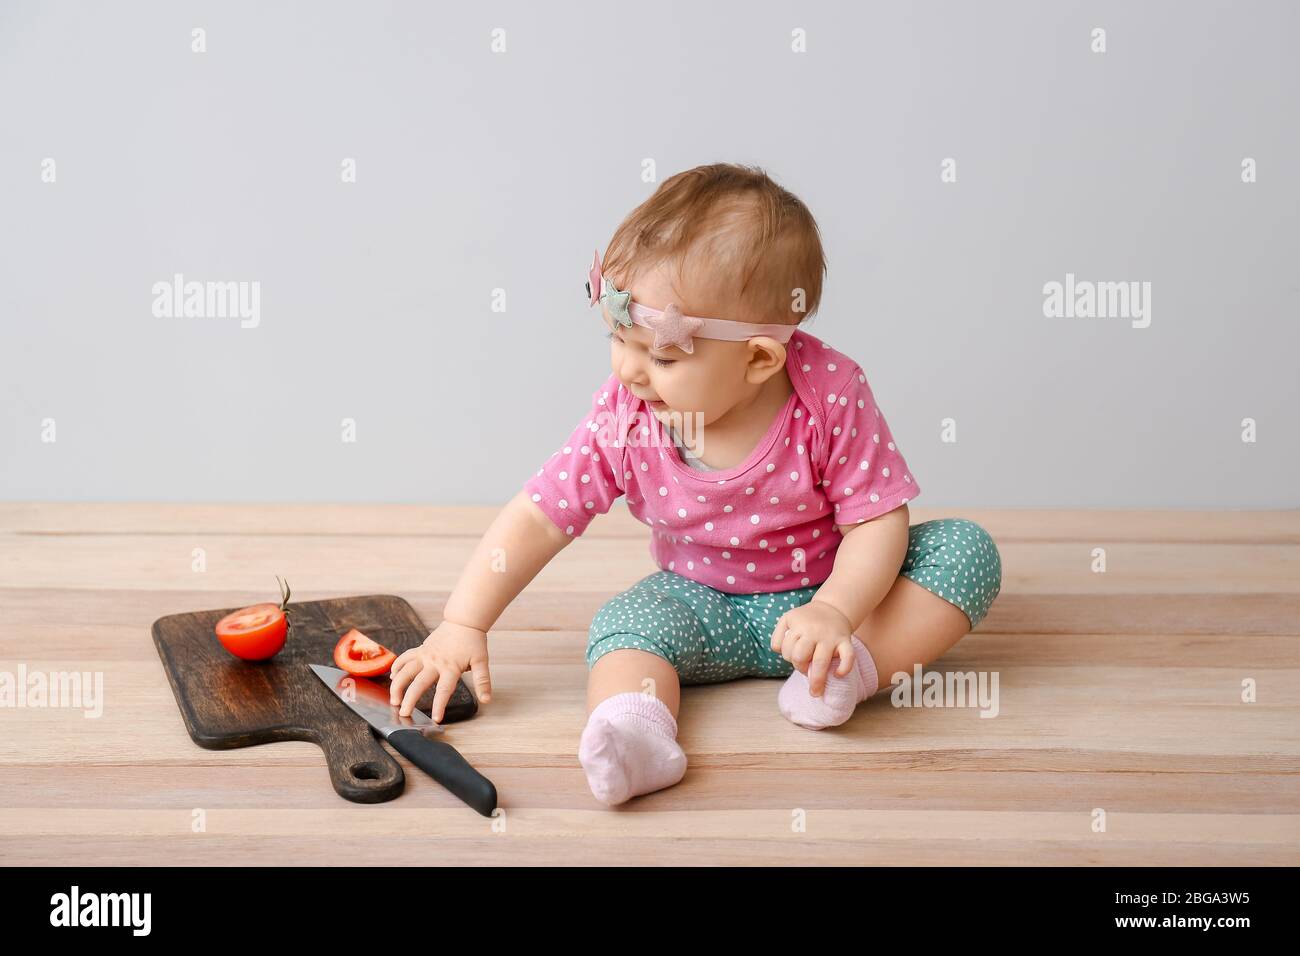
{"type": "Point", "coordinates": [443, 763]}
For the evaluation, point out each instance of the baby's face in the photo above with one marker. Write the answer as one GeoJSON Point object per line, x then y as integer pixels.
{"type": "Point", "coordinates": [709, 381]}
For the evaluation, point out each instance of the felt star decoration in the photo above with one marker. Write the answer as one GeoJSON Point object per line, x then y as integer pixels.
{"type": "Point", "coordinates": [593, 279]}
{"type": "Point", "coordinates": [617, 302]}
{"type": "Point", "coordinates": [673, 328]}
{"type": "Point", "coordinates": [598, 288]}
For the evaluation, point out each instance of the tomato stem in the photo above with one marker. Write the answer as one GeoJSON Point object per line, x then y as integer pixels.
{"type": "Point", "coordinates": [284, 600]}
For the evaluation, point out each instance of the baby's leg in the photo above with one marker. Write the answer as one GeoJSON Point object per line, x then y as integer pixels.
{"type": "Point", "coordinates": [629, 746]}
{"type": "Point", "coordinates": [622, 671]}
{"type": "Point", "coordinates": [638, 640]}
{"type": "Point", "coordinates": [950, 577]}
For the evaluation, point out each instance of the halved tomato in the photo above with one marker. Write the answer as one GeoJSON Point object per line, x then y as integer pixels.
{"type": "Point", "coordinates": [362, 657]}
{"type": "Point", "coordinates": [254, 633]}
{"type": "Point", "coordinates": [258, 632]}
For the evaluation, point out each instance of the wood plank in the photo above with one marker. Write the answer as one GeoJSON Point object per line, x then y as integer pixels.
{"type": "Point", "coordinates": [74, 641]}
{"type": "Point", "coordinates": [293, 786]}
{"type": "Point", "coordinates": [852, 826]}
{"type": "Point", "coordinates": [253, 520]}
{"type": "Point", "coordinates": [1209, 527]}
{"type": "Point", "coordinates": [1231, 615]}
{"type": "Point", "coordinates": [417, 849]}
{"type": "Point", "coordinates": [362, 564]}
{"type": "Point", "coordinates": [1176, 717]}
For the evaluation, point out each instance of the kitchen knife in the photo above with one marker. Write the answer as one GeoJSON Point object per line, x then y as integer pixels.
{"type": "Point", "coordinates": [438, 759]}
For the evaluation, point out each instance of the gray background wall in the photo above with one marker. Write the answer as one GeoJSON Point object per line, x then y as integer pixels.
{"type": "Point", "coordinates": [478, 170]}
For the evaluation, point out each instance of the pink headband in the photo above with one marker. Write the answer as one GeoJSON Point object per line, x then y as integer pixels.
{"type": "Point", "coordinates": [669, 325]}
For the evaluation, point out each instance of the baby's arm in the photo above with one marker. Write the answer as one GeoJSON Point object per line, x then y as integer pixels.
{"type": "Point", "coordinates": [869, 484]}
{"type": "Point", "coordinates": [520, 542]}
{"type": "Point", "coordinates": [867, 481]}
{"type": "Point", "coordinates": [866, 565]}
{"type": "Point", "coordinates": [573, 486]}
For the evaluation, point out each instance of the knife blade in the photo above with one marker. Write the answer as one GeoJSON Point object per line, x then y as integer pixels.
{"type": "Point", "coordinates": [439, 759]}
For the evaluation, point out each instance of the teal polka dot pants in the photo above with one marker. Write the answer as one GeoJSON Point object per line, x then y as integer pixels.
{"type": "Point", "coordinates": [711, 636]}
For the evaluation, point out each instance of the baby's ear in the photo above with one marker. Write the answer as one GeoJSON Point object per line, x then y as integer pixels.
{"type": "Point", "coordinates": [766, 354]}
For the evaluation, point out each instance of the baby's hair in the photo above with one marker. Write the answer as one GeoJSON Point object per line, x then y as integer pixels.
{"type": "Point", "coordinates": [735, 230]}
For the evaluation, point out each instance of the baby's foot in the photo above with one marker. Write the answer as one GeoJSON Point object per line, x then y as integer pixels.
{"type": "Point", "coordinates": [839, 698]}
{"type": "Point", "coordinates": [629, 747]}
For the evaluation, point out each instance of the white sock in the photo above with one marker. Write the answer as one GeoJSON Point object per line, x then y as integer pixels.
{"type": "Point", "coordinates": [629, 747]}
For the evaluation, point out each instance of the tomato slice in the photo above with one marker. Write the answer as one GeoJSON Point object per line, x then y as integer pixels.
{"type": "Point", "coordinates": [362, 657]}
{"type": "Point", "coordinates": [254, 633]}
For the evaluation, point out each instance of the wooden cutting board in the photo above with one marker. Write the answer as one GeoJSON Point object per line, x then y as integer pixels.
{"type": "Point", "coordinates": [228, 703]}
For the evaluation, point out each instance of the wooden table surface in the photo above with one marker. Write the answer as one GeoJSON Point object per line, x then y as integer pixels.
{"type": "Point", "coordinates": [1122, 735]}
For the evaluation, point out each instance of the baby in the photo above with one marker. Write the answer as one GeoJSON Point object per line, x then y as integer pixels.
{"type": "Point", "coordinates": [783, 542]}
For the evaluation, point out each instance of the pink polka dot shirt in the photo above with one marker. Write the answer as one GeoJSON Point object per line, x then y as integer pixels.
{"type": "Point", "coordinates": [765, 525]}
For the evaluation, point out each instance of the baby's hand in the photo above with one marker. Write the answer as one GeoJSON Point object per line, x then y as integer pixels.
{"type": "Point", "coordinates": [451, 650]}
{"type": "Point", "coordinates": [814, 633]}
